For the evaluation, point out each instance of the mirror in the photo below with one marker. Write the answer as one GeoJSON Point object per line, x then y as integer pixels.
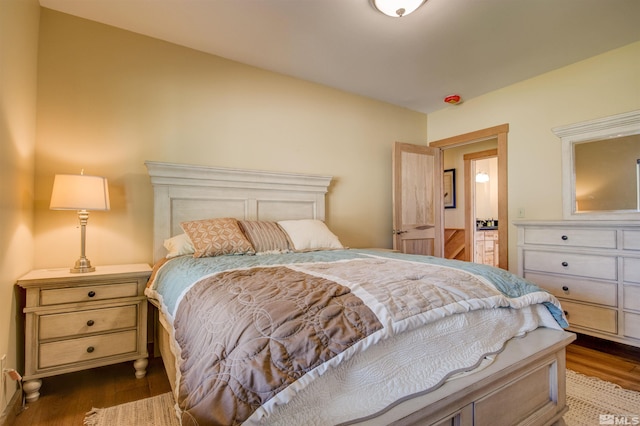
{"type": "Point", "coordinates": [600, 168]}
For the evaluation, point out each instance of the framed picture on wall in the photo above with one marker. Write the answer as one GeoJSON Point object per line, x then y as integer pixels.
{"type": "Point", "coordinates": [449, 189]}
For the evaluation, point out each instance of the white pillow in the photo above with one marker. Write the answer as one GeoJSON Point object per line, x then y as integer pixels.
{"type": "Point", "coordinates": [178, 246]}
{"type": "Point", "coordinates": [310, 234]}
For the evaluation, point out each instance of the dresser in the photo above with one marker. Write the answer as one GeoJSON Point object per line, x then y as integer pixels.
{"type": "Point", "coordinates": [593, 267]}
{"type": "Point", "coordinates": [76, 321]}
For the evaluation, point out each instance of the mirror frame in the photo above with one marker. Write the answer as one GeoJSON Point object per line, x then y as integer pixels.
{"type": "Point", "coordinates": [624, 124]}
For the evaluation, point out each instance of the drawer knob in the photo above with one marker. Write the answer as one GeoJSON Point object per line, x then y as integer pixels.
{"type": "Point", "coordinates": [90, 323]}
{"type": "Point", "coordinates": [565, 289]}
{"type": "Point", "coordinates": [91, 293]}
{"type": "Point", "coordinates": [564, 238]}
{"type": "Point", "coordinates": [565, 264]}
{"type": "Point", "coordinates": [90, 349]}
{"type": "Point", "coordinates": [566, 313]}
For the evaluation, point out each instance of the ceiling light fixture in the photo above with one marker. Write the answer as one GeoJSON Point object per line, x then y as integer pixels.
{"type": "Point", "coordinates": [482, 177]}
{"type": "Point", "coordinates": [397, 8]}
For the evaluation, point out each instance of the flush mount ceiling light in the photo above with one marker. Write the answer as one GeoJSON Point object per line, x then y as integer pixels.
{"type": "Point", "coordinates": [397, 8]}
{"type": "Point", "coordinates": [482, 177]}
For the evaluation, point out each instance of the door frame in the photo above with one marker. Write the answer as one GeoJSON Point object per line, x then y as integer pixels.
{"type": "Point", "coordinates": [500, 133]}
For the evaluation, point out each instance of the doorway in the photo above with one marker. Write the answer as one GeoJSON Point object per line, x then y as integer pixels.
{"type": "Point", "coordinates": [499, 134]}
{"type": "Point", "coordinates": [481, 194]}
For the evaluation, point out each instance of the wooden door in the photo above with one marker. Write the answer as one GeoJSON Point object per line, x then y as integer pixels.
{"type": "Point", "coordinates": [417, 199]}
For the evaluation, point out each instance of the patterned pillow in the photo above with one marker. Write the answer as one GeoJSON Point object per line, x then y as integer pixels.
{"type": "Point", "coordinates": [215, 237]}
{"type": "Point", "coordinates": [266, 237]}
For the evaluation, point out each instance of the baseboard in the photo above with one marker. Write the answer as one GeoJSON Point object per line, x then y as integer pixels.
{"type": "Point", "coordinates": [12, 410]}
{"type": "Point", "coordinates": [608, 346]}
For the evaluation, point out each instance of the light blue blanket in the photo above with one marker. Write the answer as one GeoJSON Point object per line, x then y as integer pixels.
{"type": "Point", "coordinates": [180, 273]}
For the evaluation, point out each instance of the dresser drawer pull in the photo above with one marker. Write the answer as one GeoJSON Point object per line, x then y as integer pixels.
{"type": "Point", "coordinates": [91, 293]}
{"type": "Point", "coordinates": [565, 264]}
{"type": "Point", "coordinates": [90, 349]}
{"type": "Point", "coordinates": [90, 323]}
{"type": "Point", "coordinates": [564, 238]}
{"type": "Point", "coordinates": [566, 313]}
{"type": "Point", "coordinates": [565, 289]}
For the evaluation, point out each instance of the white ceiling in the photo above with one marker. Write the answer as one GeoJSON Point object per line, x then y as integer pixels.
{"type": "Point", "coordinates": [469, 47]}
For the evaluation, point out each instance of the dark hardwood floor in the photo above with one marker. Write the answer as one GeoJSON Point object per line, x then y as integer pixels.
{"type": "Point", "coordinates": [66, 399]}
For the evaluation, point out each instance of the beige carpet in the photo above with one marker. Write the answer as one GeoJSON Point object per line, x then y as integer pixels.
{"type": "Point", "coordinates": [591, 402]}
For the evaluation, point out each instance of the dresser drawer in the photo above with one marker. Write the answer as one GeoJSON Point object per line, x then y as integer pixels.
{"type": "Point", "coordinates": [600, 292]}
{"type": "Point", "coordinates": [632, 297]}
{"type": "Point", "coordinates": [596, 238]}
{"type": "Point", "coordinates": [593, 317]}
{"type": "Point", "coordinates": [87, 348]}
{"type": "Point", "coordinates": [85, 322]}
{"type": "Point", "coordinates": [88, 293]}
{"type": "Point", "coordinates": [584, 265]}
{"type": "Point", "coordinates": [632, 325]}
{"type": "Point", "coordinates": [631, 268]}
{"type": "Point", "coordinates": [631, 240]}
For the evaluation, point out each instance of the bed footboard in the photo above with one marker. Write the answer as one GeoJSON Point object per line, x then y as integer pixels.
{"type": "Point", "coordinates": [525, 385]}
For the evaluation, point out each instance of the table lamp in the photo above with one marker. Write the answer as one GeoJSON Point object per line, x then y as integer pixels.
{"type": "Point", "coordinates": [82, 193]}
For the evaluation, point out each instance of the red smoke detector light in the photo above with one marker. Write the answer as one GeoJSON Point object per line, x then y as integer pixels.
{"type": "Point", "coordinates": [453, 99]}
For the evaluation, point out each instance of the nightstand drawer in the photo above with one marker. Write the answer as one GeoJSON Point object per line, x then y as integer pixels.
{"type": "Point", "coordinates": [593, 317]}
{"type": "Point", "coordinates": [86, 322]}
{"type": "Point", "coordinates": [87, 348]}
{"type": "Point", "coordinates": [600, 292]}
{"type": "Point", "coordinates": [88, 293]}
{"type": "Point", "coordinates": [602, 267]}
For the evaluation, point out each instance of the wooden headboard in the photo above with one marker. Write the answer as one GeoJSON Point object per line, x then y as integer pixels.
{"type": "Point", "coordinates": [187, 192]}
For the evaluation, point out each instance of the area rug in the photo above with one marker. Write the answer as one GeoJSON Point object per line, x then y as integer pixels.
{"type": "Point", "coordinates": [593, 401]}
{"type": "Point", "coordinates": [155, 411]}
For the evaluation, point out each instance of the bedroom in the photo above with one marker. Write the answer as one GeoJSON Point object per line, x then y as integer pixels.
{"type": "Point", "coordinates": [94, 113]}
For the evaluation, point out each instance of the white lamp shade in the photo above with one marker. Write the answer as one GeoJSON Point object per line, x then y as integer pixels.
{"type": "Point", "coordinates": [397, 8]}
{"type": "Point", "coordinates": [79, 192]}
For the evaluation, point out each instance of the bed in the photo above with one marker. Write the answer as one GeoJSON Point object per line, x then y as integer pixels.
{"type": "Point", "coordinates": [340, 336]}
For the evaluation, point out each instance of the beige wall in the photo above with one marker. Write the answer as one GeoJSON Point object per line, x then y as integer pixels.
{"type": "Point", "coordinates": [18, 59]}
{"type": "Point", "coordinates": [110, 99]}
{"type": "Point", "coordinates": [604, 85]}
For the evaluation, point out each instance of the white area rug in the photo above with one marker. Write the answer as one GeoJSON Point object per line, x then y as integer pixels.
{"type": "Point", "coordinates": [591, 402]}
{"type": "Point", "coordinates": [155, 411]}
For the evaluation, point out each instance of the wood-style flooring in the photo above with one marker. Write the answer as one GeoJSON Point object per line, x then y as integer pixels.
{"type": "Point", "coordinates": [607, 360]}
{"type": "Point", "coordinates": [66, 399]}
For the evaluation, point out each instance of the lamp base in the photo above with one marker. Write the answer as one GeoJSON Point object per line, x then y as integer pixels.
{"type": "Point", "coordinates": [82, 265]}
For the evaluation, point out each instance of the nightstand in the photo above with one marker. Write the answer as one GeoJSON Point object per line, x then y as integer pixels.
{"type": "Point", "coordinates": [76, 321]}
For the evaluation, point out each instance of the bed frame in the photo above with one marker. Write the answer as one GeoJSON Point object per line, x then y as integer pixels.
{"type": "Point", "coordinates": [524, 385]}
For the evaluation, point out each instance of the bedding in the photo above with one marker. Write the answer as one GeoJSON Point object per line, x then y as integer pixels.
{"type": "Point", "coordinates": [332, 337]}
